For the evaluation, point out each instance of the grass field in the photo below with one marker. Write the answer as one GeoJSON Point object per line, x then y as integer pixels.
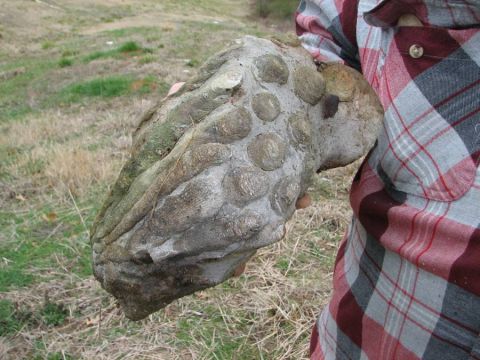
{"type": "Point", "coordinates": [74, 77]}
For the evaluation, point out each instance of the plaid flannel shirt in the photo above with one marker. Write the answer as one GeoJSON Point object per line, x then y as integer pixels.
{"type": "Point", "coordinates": [407, 276]}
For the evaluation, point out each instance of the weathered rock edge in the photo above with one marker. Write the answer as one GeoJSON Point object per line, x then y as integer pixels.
{"type": "Point", "coordinates": [215, 170]}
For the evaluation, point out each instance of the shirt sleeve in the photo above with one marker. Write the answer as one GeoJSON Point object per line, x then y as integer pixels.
{"type": "Point", "coordinates": [327, 29]}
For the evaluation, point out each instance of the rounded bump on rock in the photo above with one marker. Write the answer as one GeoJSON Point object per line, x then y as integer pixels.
{"type": "Point", "coordinates": [245, 184]}
{"type": "Point", "coordinates": [267, 151]}
{"type": "Point", "coordinates": [234, 125]}
{"type": "Point", "coordinates": [270, 234]}
{"type": "Point", "coordinates": [208, 69]}
{"type": "Point", "coordinates": [272, 68]}
{"type": "Point", "coordinates": [340, 81]}
{"type": "Point", "coordinates": [115, 254]}
{"type": "Point", "coordinates": [301, 128]}
{"type": "Point", "coordinates": [247, 224]}
{"type": "Point", "coordinates": [197, 201]}
{"type": "Point", "coordinates": [98, 246]}
{"type": "Point", "coordinates": [308, 84]}
{"type": "Point", "coordinates": [266, 106]}
{"type": "Point", "coordinates": [284, 195]}
{"type": "Point", "coordinates": [196, 160]}
{"type": "Point", "coordinates": [209, 154]}
{"type": "Point", "coordinates": [227, 80]}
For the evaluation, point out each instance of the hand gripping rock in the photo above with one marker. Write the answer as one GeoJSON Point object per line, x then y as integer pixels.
{"type": "Point", "coordinates": [215, 170]}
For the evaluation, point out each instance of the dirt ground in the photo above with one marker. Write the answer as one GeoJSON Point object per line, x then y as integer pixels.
{"type": "Point", "coordinates": [74, 77]}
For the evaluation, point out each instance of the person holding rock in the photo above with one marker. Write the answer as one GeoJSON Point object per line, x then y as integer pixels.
{"type": "Point", "coordinates": [216, 168]}
{"type": "Point", "coordinates": [406, 282]}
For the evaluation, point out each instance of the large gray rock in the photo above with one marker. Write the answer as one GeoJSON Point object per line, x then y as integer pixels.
{"type": "Point", "coordinates": [215, 170]}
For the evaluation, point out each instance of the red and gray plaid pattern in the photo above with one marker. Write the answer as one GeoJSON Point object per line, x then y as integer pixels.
{"type": "Point", "coordinates": [407, 275]}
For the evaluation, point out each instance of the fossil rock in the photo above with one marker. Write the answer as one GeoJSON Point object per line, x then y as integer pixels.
{"type": "Point", "coordinates": [308, 84]}
{"type": "Point", "coordinates": [267, 151]}
{"type": "Point", "coordinates": [266, 106]}
{"type": "Point", "coordinates": [272, 68]}
{"type": "Point", "coordinates": [215, 170]}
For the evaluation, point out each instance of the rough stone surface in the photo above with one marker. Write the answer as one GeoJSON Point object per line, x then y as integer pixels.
{"type": "Point", "coordinates": [340, 81]}
{"type": "Point", "coordinates": [272, 68]}
{"type": "Point", "coordinates": [245, 184]}
{"type": "Point", "coordinates": [247, 224]}
{"type": "Point", "coordinates": [212, 178]}
{"type": "Point", "coordinates": [301, 128]}
{"type": "Point", "coordinates": [266, 106]}
{"type": "Point", "coordinates": [330, 105]}
{"type": "Point", "coordinates": [285, 195]}
{"type": "Point", "coordinates": [234, 125]}
{"type": "Point", "coordinates": [308, 84]}
{"type": "Point", "coordinates": [195, 203]}
{"type": "Point", "coordinates": [267, 151]}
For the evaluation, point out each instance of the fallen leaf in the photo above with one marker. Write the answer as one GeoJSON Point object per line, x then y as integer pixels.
{"type": "Point", "coordinates": [137, 85]}
{"type": "Point", "coordinates": [52, 216]}
{"type": "Point", "coordinates": [93, 321]}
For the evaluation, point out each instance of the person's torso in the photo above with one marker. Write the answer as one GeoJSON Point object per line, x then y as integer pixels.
{"type": "Point", "coordinates": [418, 193]}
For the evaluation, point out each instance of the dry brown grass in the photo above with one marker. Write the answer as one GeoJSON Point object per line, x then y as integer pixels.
{"type": "Point", "coordinates": [76, 170]}
{"type": "Point", "coordinates": [270, 309]}
{"type": "Point", "coordinates": [66, 151]}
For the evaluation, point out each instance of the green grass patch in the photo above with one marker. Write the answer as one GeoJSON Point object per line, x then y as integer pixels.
{"type": "Point", "coordinates": [70, 52]}
{"type": "Point", "coordinates": [35, 88]}
{"type": "Point", "coordinates": [14, 112]}
{"type": "Point", "coordinates": [219, 340]}
{"type": "Point", "coordinates": [99, 55]}
{"type": "Point", "coordinates": [324, 188]}
{"type": "Point", "coordinates": [147, 59]}
{"type": "Point", "coordinates": [109, 87]}
{"type": "Point", "coordinates": [103, 87]}
{"type": "Point", "coordinates": [129, 46]}
{"type": "Point", "coordinates": [15, 276]}
{"type": "Point", "coordinates": [276, 8]}
{"type": "Point", "coordinates": [54, 314]}
{"type": "Point", "coordinates": [14, 92]}
{"type": "Point", "coordinates": [282, 264]}
{"type": "Point", "coordinates": [126, 49]}
{"type": "Point", "coordinates": [40, 237]}
{"type": "Point", "coordinates": [47, 45]}
{"type": "Point", "coordinates": [8, 323]}
{"type": "Point", "coordinates": [193, 63]}
{"type": "Point", "coordinates": [13, 318]}
{"type": "Point", "coordinates": [65, 62]}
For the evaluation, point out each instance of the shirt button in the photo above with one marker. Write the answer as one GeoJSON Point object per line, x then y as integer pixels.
{"type": "Point", "coordinates": [416, 51]}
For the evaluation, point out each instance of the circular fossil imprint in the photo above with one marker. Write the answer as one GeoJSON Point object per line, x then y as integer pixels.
{"type": "Point", "coordinates": [245, 184]}
{"type": "Point", "coordinates": [308, 84]}
{"type": "Point", "coordinates": [266, 106]}
{"type": "Point", "coordinates": [234, 125]}
{"type": "Point", "coordinates": [272, 68]}
{"type": "Point", "coordinates": [301, 128]}
{"type": "Point", "coordinates": [267, 151]}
